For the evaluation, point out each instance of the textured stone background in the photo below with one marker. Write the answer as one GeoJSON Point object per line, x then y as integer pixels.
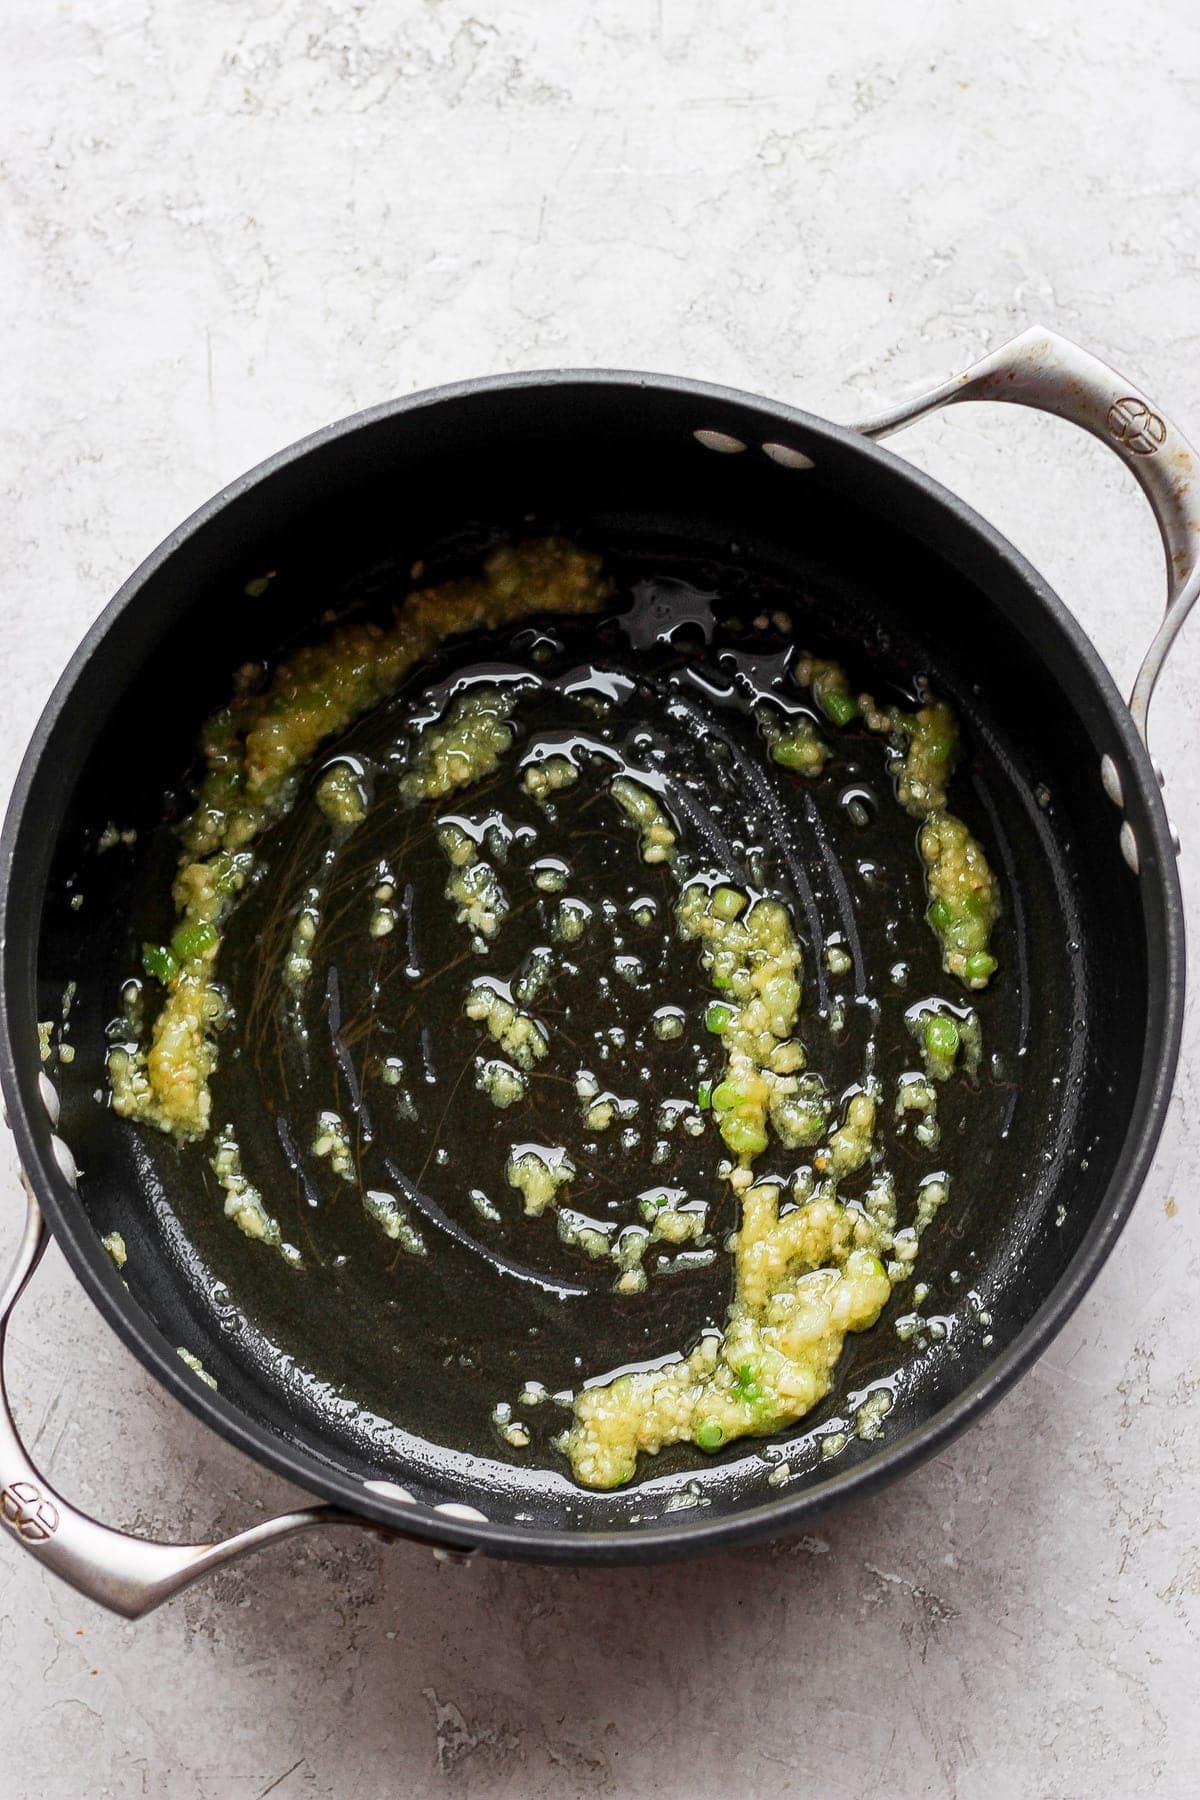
{"type": "Point", "coordinates": [227, 223]}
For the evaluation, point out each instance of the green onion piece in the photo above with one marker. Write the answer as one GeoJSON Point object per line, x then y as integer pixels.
{"type": "Point", "coordinates": [726, 903]}
{"type": "Point", "coordinates": [718, 1017]}
{"type": "Point", "coordinates": [839, 706]}
{"type": "Point", "coordinates": [747, 1382]}
{"type": "Point", "coordinates": [651, 1205]}
{"type": "Point", "coordinates": [979, 966]}
{"type": "Point", "coordinates": [743, 1136]}
{"type": "Point", "coordinates": [710, 1435]}
{"type": "Point", "coordinates": [942, 1038]}
{"type": "Point", "coordinates": [862, 1263]}
{"type": "Point", "coordinates": [192, 940]}
{"type": "Point", "coordinates": [159, 963]}
{"type": "Point", "coordinates": [704, 1095]}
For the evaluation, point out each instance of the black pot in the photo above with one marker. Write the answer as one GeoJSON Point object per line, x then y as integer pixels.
{"type": "Point", "coordinates": [620, 460]}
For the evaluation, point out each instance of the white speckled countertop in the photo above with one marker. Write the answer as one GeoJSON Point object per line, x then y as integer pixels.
{"type": "Point", "coordinates": [227, 224]}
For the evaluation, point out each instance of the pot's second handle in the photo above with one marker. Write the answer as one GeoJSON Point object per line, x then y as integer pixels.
{"type": "Point", "coordinates": [129, 1575]}
{"type": "Point", "coordinates": [1049, 372]}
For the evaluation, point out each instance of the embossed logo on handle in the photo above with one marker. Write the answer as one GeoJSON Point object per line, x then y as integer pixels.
{"type": "Point", "coordinates": [1134, 425]}
{"type": "Point", "coordinates": [27, 1511]}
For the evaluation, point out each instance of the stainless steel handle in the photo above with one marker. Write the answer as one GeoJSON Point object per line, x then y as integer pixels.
{"type": "Point", "coordinates": [1049, 372]}
{"type": "Point", "coordinates": [129, 1575]}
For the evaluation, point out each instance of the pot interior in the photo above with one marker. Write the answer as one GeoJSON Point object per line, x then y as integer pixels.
{"type": "Point", "coordinates": [385, 1371]}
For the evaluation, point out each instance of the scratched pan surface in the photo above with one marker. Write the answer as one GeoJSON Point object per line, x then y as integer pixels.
{"type": "Point", "coordinates": [384, 1369]}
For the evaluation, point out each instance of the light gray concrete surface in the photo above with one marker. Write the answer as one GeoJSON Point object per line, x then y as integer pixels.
{"type": "Point", "coordinates": [226, 224]}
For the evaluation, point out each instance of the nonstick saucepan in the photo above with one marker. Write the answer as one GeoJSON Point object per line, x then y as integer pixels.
{"type": "Point", "coordinates": [883, 557]}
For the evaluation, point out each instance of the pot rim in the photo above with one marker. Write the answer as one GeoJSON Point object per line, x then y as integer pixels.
{"type": "Point", "coordinates": [684, 1534]}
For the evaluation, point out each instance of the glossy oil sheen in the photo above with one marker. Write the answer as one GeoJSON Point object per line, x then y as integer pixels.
{"type": "Point", "coordinates": [388, 1329]}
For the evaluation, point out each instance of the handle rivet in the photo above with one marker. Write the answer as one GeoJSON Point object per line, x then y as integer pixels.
{"type": "Point", "coordinates": [1110, 777]}
{"type": "Point", "coordinates": [1129, 846]}
{"type": "Point", "coordinates": [390, 1490]}
{"type": "Point", "coordinates": [67, 1166]}
{"type": "Point", "coordinates": [720, 441]}
{"type": "Point", "coordinates": [49, 1095]}
{"type": "Point", "coordinates": [787, 458]}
